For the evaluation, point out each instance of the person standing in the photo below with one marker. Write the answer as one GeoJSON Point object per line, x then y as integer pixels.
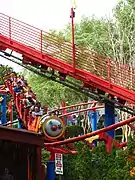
{"type": "Point", "coordinates": [6, 175]}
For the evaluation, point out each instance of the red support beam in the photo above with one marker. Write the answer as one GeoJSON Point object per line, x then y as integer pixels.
{"type": "Point", "coordinates": [60, 150]}
{"type": "Point", "coordinates": [21, 136]}
{"type": "Point", "coordinates": [38, 164]}
{"type": "Point", "coordinates": [71, 140]}
{"type": "Point", "coordinates": [3, 91]}
{"type": "Point", "coordinates": [82, 110]}
{"type": "Point", "coordinates": [76, 105]}
{"type": "Point", "coordinates": [61, 66]}
{"type": "Point", "coordinates": [73, 38]}
{"type": "Point", "coordinates": [28, 41]}
{"type": "Point", "coordinates": [131, 126]}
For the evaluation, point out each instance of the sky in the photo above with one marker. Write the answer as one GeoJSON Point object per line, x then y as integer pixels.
{"type": "Point", "coordinates": [52, 14]}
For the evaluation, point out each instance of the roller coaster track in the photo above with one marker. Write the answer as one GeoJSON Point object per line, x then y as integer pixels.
{"type": "Point", "coordinates": [101, 133]}
{"type": "Point", "coordinates": [67, 83]}
{"type": "Point", "coordinates": [41, 48]}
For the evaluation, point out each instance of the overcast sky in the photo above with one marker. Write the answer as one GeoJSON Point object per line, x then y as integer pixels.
{"type": "Point", "coordinates": [53, 14]}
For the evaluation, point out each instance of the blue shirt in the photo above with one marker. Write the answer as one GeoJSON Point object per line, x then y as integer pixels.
{"type": "Point", "coordinates": [18, 89]}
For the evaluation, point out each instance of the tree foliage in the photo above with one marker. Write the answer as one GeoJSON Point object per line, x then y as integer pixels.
{"type": "Point", "coordinates": [98, 164]}
{"type": "Point", "coordinates": [73, 130]}
{"type": "Point", "coordinates": [51, 93]}
{"type": "Point", "coordinates": [45, 156]}
{"type": "Point", "coordinates": [4, 70]}
{"type": "Point", "coordinates": [122, 35]}
{"type": "Point", "coordinates": [92, 33]}
{"type": "Point", "coordinates": [112, 37]}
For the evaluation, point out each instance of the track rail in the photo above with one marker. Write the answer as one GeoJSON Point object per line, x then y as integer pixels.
{"type": "Point", "coordinates": [70, 84]}
{"type": "Point", "coordinates": [47, 49]}
{"type": "Point", "coordinates": [82, 137]}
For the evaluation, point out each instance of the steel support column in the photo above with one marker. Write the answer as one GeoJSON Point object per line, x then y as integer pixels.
{"type": "Point", "coordinates": [109, 118]}
{"type": "Point", "coordinates": [19, 125]}
{"type": "Point", "coordinates": [51, 170]}
{"type": "Point", "coordinates": [94, 120]}
{"type": "Point", "coordinates": [39, 164]}
{"type": "Point", "coordinates": [3, 109]}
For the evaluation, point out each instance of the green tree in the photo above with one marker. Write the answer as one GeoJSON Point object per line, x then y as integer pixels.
{"type": "Point", "coordinates": [92, 33]}
{"type": "Point", "coordinates": [112, 37]}
{"type": "Point", "coordinates": [45, 156]}
{"type": "Point", "coordinates": [98, 164]}
{"type": "Point", "coordinates": [51, 93]}
{"type": "Point", "coordinates": [122, 34]}
{"type": "Point", "coordinates": [4, 70]}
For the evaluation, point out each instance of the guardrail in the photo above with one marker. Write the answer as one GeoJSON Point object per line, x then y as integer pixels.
{"type": "Point", "coordinates": [50, 44]}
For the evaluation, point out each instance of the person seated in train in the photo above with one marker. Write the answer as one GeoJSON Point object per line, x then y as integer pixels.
{"type": "Point", "coordinates": [19, 79]}
{"type": "Point", "coordinates": [18, 88]}
{"type": "Point", "coordinates": [45, 109]}
{"type": "Point", "coordinates": [74, 119]}
{"type": "Point", "coordinates": [12, 76]}
{"type": "Point", "coordinates": [26, 103]}
{"type": "Point", "coordinates": [23, 79]}
{"type": "Point", "coordinates": [25, 87]}
{"type": "Point", "coordinates": [29, 95]}
{"type": "Point", "coordinates": [6, 77]}
{"type": "Point", "coordinates": [32, 93]}
{"type": "Point", "coordinates": [7, 175]}
{"type": "Point", "coordinates": [37, 104]}
{"type": "Point", "coordinates": [37, 112]}
{"type": "Point", "coordinates": [14, 83]}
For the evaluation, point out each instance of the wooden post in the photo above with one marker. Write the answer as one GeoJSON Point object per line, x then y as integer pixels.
{"type": "Point", "coordinates": [38, 164]}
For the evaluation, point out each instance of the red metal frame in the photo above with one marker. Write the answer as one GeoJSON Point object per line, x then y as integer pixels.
{"type": "Point", "coordinates": [55, 147]}
{"type": "Point", "coordinates": [82, 110]}
{"type": "Point", "coordinates": [21, 136]}
{"type": "Point", "coordinates": [24, 115]}
{"type": "Point", "coordinates": [46, 49]}
{"type": "Point", "coordinates": [75, 105]}
{"type": "Point", "coordinates": [3, 89]}
{"type": "Point", "coordinates": [73, 38]}
{"type": "Point", "coordinates": [72, 140]}
{"type": "Point", "coordinates": [108, 140]}
{"type": "Point", "coordinates": [94, 70]}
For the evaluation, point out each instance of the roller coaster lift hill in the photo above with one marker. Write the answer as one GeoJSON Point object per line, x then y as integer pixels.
{"type": "Point", "coordinates": [103, 79]}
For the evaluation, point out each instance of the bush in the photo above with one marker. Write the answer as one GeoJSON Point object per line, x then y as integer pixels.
{"type": "Point", "coordinates": [98, 164]}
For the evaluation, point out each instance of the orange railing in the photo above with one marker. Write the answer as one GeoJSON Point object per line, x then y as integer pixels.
{"type": "Point", "coordinates": [52, 45]}
{"type": "Point", "coordinates": [29, 121]}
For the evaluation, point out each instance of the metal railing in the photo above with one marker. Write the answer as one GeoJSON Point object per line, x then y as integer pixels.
{"type": "Point", "coordinates": [54, 46]}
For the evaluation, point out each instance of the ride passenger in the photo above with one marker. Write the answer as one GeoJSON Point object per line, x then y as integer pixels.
{"type": "Point", "coordinates": [6, 175]}
{"type": "Point", "coordinates": [18, 88]}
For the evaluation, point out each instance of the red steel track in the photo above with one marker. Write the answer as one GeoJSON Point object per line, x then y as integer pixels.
{"type": "Point", "coordinates": [42, 48]}
{"type": "Point", "coordinates": [82, 137]}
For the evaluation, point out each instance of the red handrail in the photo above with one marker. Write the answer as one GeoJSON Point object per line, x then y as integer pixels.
{"type": "Point", "coordinates": [82, 137]}
{"type": "Point", "coordinates": [59, 48]}
{"type": "Point", "coordinates": [79, 111]}
{"type": "Point", "coordinates": [75, 105]}
{"type": "Point", "coordinates": [23, 113]}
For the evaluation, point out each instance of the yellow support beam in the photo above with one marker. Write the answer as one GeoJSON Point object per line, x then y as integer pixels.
{"type": "Point", "coordinates": [91, 139]}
